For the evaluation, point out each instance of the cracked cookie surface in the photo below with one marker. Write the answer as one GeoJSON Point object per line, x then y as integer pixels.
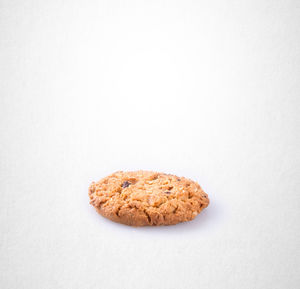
{"type": "Point", "coordinates": [145, 198]}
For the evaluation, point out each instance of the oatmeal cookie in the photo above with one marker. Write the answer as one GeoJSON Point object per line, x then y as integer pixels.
{"type": "Point", "coordinates": [144, 198]}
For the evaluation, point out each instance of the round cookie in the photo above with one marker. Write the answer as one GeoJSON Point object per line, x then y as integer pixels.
{"type": "Point", "coordinates": [144, 198]}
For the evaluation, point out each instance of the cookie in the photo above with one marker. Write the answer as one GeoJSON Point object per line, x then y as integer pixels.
{"type": "Point", "coordinates": [144, 198]}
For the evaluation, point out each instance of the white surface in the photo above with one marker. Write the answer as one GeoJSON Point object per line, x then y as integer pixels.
{"type": "Point", "coordinates": [209, 91]}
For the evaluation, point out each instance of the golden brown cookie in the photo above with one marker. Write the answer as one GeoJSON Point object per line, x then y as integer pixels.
{"type": "Point", "coordinates": [144, 198]}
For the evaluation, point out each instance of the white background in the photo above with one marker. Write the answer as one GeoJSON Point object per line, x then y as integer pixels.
{"type": "Point", "coordinates": [203, 89]}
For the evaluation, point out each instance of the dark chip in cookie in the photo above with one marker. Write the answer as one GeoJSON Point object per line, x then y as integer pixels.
{"type": "Point", "coordinates": [125, 184]}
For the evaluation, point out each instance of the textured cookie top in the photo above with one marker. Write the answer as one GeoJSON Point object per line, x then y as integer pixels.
{"type": "Point", "coordinates": [144, 198]}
